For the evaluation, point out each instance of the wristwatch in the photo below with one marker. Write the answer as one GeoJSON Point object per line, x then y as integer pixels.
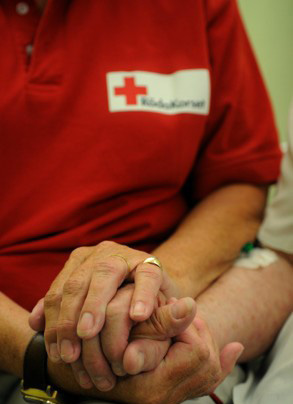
{"type": "Point", "coordinates": [34, 386]}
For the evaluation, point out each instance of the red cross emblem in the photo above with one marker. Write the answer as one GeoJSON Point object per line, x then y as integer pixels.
{"type": "Point", "coordinates": [130, 91]}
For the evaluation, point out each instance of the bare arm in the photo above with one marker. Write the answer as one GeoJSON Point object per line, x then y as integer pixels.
{"type": "Point", "coordinates": [210, 238]}
{"type": "Point", "coordinates": [15, 335]}
{"type": "Point", "coordinates": [249, 306]}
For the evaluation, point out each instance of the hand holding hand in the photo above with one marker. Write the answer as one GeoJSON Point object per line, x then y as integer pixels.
{"type": "Point", "coordinates": [76, 303]}
{"type": "Point", "coordinates": [192, 366]}
{"type": "Point", "coordinates": [149, 344]}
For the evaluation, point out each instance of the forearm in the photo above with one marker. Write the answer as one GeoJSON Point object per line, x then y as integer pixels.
{"type": "Point", "coordinates": [249, 306]}
{"type": "Point", "coordinates": [15, 335]}
{"type": "Point", "coordinates": [207, 242]}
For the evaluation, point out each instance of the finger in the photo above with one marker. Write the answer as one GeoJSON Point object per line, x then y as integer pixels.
{"type": "Point", "coordinates": [37, 317]}
{"type": "Point", "coordinates": [229, 356]}
{"type": "Point", "coordinates": [228, 359]}
{"type": "Point", "coordinates": [154, 335]}
{"type": "Point", "coordinates": [167, 321]}
{"type": "Point", "coordinates": [85, 295]}
{"type": "Point", "coordinates": [115, 333]}
{"type": "Point", "coordinates": [96, 364]}
{"type": "Point", "coordinates": [81, 375]}
{"type": "Point", "coordinates": [107, 275]}
{"type": "Point", "coordinates": [143, 355]}
{"type": "Point", "coordinates": [52, 305]}
{"type": "Point", "coordinates": [148, 279]}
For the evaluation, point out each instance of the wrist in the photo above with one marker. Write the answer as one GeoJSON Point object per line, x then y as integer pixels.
{"type": "Point", "coordinates": [15, 335]}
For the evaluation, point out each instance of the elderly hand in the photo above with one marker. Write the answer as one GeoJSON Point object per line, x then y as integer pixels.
{"type": "Point", "coordinates": [192, 367]}
{"type": "Point", "coordinates": [76, 303]}
{"type": "Point", "coordinates": [112, 347]}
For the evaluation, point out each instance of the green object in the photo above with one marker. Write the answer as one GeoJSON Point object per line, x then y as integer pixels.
{"type": "Point", "coordinates": [247, 247]}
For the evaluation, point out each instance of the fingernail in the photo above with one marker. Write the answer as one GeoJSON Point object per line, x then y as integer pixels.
{"type": "Point", "coordinates": [181, 308]}
{"type": "Point", "coordinates": [67, 350]}
{"type": "Point", "coordinates": [118, 369]}
{"type": "Point", "coordinates": [53, 352]}
{"type": "Point", "coordinates": [139, 362]}
{"type": "Point", "coordinates": [103, 384]}
{"type": "Point", "coordinates": [139, 309]}
{"type": "Point", "coordinates": [85, 325]}
{"type": "Point", "coordinates": [84, 379]}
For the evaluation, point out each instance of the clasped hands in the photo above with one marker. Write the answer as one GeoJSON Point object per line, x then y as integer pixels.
{"type": "Point", "coordinates": [108, 314]}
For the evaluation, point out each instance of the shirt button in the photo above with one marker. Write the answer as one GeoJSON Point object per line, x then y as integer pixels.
{"type": "Point", "coordinates": [29, 49]}
{"type": "Point", "coordinates": [22, 8]}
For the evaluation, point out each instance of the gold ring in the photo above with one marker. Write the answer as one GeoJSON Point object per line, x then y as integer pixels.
{"type": "Point", "coordinates": [153, 261]}
{"type": "Point", "coordinates": [124, 259]}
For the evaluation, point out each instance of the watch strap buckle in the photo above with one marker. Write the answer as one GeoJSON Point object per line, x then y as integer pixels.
{"type": "Point", "coordinates": [34, 395]}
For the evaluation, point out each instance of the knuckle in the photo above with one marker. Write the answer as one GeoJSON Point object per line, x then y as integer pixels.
{"type": "Point", "coordinates": [52, 299]}
{"type": "Point", "coordinates": [79, 253]}
{"type": "Point", "coordinates": [73, 286]}
{"type": "Point", "coordinates": [106, 245]}
{"type": "Point", "coordinates": [65, 326]}
{"type": "Point", "coordinates": [203, 354]}
{"type": "Point", "coordinates": [50, 334]}
{"type": "Point", "coordinates": [106, 269]}
{"type": "Point", "coordinates": [149, 273]}
{"type": "Point", "coordinates": [157, 324]}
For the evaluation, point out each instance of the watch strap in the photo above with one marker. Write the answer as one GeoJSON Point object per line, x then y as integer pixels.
{"type": "Point", "coordinates": [35, 364]}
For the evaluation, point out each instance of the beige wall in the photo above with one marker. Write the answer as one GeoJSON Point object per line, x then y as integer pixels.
{"type": "Point", "coordinates": [270, 27]}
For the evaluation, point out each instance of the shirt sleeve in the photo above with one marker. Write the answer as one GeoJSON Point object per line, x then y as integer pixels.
{"type": "Point", "coordinates": [277, 228]}
{"type": "Point", "coordinates": [241, 142]}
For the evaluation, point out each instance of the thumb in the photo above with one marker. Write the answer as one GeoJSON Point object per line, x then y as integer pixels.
{"type": "Point", "coordinates": [229, 356]}
{"type": "Point", "coordinates": [167, 321]}
{"type": "Point", "coordinates": [37, 317]}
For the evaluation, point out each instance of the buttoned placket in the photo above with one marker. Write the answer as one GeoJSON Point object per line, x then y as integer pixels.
{"type": "Point", "coordinates": [34, 35]}
{"type": "Point", "coordinates": [22, 8]}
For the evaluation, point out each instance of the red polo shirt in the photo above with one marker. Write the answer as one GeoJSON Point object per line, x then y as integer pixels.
{"type": "Point", "coordinates": [108, 109]}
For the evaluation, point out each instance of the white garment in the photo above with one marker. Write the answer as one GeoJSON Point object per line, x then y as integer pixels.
{"type": "Point", "coordinates": [272, 382]}
{"type": "Point", "coordinates": [277, 228]}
